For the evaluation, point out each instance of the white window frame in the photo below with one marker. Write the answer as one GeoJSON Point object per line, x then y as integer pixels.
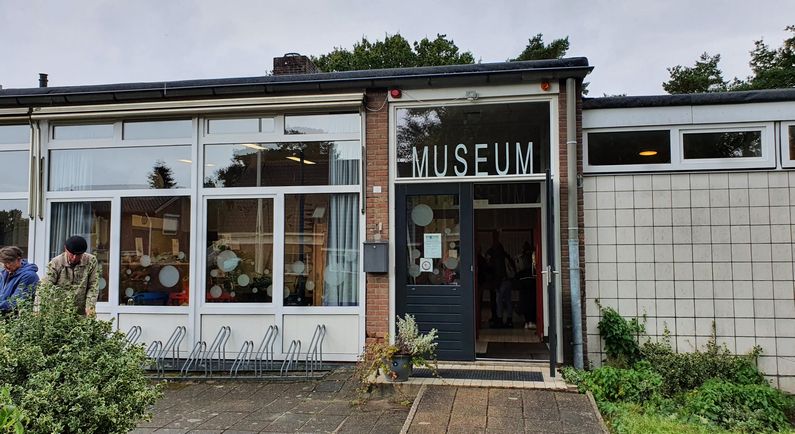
{"type": "Point", "coordinates": [23, 195]}
{"type": "Point", "coordinates": [786, 160]}
{"type": "Point", "coordinates": [589, 168]}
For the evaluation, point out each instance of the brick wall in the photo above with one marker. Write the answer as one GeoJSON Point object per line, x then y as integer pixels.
{"type": "Point", "coordinates": [377, 218]}
{"type": "Point", "coordinates": [293, 63]}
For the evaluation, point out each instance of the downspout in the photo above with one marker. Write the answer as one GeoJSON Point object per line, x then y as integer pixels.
{"type": "Point", "coordinates": [574, 231]}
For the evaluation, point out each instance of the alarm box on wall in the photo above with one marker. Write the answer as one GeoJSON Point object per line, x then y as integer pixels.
{"type": "Point", "coordinates": [376, 257]}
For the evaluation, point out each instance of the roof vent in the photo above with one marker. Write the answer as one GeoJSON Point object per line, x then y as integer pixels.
{"type": "Point", "coordinates": [42, 79]}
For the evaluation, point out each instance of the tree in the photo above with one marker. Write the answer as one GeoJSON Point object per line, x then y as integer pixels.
{"type": "Point", "coordinates": [393, 52]}
{"type": "Point", "coordinates": [162, 176]}
{"type": "Point", "coordinates": [704, 76]}
{"type": "Point", "coordinates": [537, 50]}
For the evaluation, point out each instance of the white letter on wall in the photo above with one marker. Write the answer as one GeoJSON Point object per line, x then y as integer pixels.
{"type": "Point", "coordinates": [436, 162]}
{"type": "Point", "coordinates": [478, 160]}
{"type": "Point", "coordinates": [461, 160]}
{"type": "Point", "coordinates": [419, 166]}
{"type": "Point", "coordinates": [497, 159]}
{"type": "Point", "coordinates": [523, 161]}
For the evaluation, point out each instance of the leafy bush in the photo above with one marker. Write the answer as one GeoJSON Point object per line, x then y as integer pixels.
{"type": "Point", "coordinates": [640, 384]}
{"type": "Point", "coordinates": [410, 341]}
{"type": "Point", "coordinates": [621, 337]}
{"type": "Point", "coordinates": [686, 371]}
{"type": "Point", "coordinates": [69, 373]}
{"type": "Point", "coordinates": [634, 419]}
{"type": "Point", "coordinates": [11, 417]}
{"type": "Point", "coordinates": [741, 407]}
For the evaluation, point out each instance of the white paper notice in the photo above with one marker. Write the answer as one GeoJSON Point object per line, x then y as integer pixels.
{"type": "Point", "coordinates": [433, 246]}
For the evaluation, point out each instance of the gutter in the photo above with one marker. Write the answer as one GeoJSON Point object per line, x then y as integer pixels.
{"type": "Point", "coordinates": [573, 221]}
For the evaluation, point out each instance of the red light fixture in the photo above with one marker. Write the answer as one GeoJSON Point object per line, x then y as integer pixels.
{"type": "Point", "coordinates": [545, 86]}
{"type": "Point", "coordinates": [395, 93]}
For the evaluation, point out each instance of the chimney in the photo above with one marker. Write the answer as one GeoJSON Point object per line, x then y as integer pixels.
{"type": "Point", "coordinates": [293, 63]}
{"type": "Point", "coordinates": [42, 79]}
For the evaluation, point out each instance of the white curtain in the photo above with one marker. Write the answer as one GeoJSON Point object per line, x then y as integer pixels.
{"type": "Point", "coordinates": [71, 170]}
{"type": "Point", "coordinates": [69, 218]}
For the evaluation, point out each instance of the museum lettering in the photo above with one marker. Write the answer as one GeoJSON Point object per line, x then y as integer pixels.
{"type": "Point", "coordinates": [479, 159]}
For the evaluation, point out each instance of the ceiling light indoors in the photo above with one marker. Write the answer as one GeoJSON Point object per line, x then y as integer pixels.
{"type": "Point", "coordinates": [185, 161]}
{"type": "Point", "coordinates": [298, 159]}
{"type": "Point", "coordinates": [254, 146]}
{"type": "Point", "coordinates": [210, 165]}
{"type": "Point", "coordinates": [647, 153]}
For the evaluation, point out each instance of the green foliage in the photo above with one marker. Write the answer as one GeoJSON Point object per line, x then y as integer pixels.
{"type": "Point", "coordinates": [621, 337]}
{"type": "Point", "coordinates": [628, 418]}
{"type": "Point", "coordinates": [393, 52]}
{"type": "Point", "coordinates": [686, 371]}
{"type": "Point", "coordinates": [609, 384]}
{"type": "Point", "coordinates": [70, 373]}
{"type": "Point", "coordinates": [740, 407]}
{"type": "Point", "coordinates": [409, 341]}
{"type": "Point", "coordinates": [536, 49]}
{"type": "Point", "coordinates": [12, 419]}
{"type": "Point", "coordinates": [704, 76]}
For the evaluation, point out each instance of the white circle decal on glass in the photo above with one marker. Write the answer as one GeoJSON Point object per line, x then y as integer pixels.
{"type": "Point", "coordinates": [269, 290]}
{"type": "Point", "coordinates": [414, 270]}
{"type": "Point", "coordinates": [435, 271]}
{"type": "Point", "coordinates": [181, 255]}
{"type": "Point", "coordinates": [128, 271]}
{"type": "Point", "coordinates": [451, 263]}
{"type": "Point", "coordinates": [333, 274]}
{"type": "Point", "coordinates": [232, 294]}
{"type": "Point", "coordinates": [287, 290]}
{"type": "Point", "coordinates": [129, 292]}
{"type": "Point", "coordinates": [254, 290]}
{"type": "Point", "coordinates": [227, 260]}
{"type": "Point", "coordinates": [415, 253]}
{"type": "Point", "coordinates": [266, 271]}
{"type": "Point", "coordinates": [447, 231]}
{"type": "Point", "coordinates": [102, 283]}
{"type": "Point", "coordinates": [310, 285]}
{"type": "Point", "coordinates": [169, 276]}
{"type": "Point", "coordinates": [215, 291]}
{"type": "Point", "coordinates": [421, 215]}
{"type": "Point", "coordinates": [452, 244]}
{"type": "Point", "coordinates": [146, 261]}
{"type": "Point", "coordinates": [298, 267]}
{"type": "Point", "coordinates": [214, 272]}
{"type": "Point", "coordinates": [147, 278]}
{"type": "Point", "coordinates": [243, 280]}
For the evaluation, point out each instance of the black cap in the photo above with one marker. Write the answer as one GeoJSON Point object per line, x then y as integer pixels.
{"type": "Point", "coordinates": [76, 245]}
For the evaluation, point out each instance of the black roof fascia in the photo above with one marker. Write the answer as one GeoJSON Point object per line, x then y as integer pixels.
{"type": "Point", "coordinates": [431, 76]}
{"type": "Point", "coordinates": [712, 98]}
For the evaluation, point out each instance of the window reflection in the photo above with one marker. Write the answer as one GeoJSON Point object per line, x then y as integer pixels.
{"type": "Point", "coordinates": [155, 247]}
{"type": "Point", "coordinates": [737, 144]}
{"type": "Point", "coordinates": [239, 251]}
{"type": "Point", "coordinates": [14, 134]}
{"type": "Point", "coordinates": [14, 166]}
{"type": "Point", "coordinates": [120, 168]}
{"type": "Point", "coordinates": [140, 130]}
{"type": "Point", "coordinates": [321, 250]}
{"type": "Point", "coordinates": [14, 224]}
{"type": "Point", "coordinates": [629, 147]}
{"type": "Point", "coordinates": [90, 220]}
{"type": "Point", "coordinates": [322, 124]}
{"type": "Point", "coordinates": [280, 164]}
{"type": "Point", "coordinates": [241, 126]}
{"type": "Point", "coordinates": [76, 132]}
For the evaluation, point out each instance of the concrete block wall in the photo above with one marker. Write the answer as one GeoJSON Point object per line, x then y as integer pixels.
{"type": "Point", "coordinates": [690, 250]}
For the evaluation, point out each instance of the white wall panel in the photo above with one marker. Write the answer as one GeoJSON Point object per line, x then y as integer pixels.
{"type": "Point", "coordinates": [155, 327]}
{"type": "Point", "coordinates": [342, 332]}
{"type": "Point", "coordinates": [243, 328]}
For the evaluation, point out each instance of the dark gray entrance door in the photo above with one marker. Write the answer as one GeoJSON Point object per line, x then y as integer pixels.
{"type": "Point", "coordinates": [434, 277]}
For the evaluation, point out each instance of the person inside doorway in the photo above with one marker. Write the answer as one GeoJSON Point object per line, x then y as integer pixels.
{"type": "Point", "coordinates": [527, 285]}
{"type": "Point", "coordinates": [502, 268]}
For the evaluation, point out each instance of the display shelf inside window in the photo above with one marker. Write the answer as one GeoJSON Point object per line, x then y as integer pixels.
{"type": "Point", "coordinates": [236, 276]}
{"type": "Point", "coordinates": [155, 280]}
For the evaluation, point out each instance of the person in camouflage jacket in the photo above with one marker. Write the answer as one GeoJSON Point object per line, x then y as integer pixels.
{"type": "Point", "coordinates": [77, 271]}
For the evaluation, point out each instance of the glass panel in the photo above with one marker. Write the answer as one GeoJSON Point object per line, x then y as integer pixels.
{"type": "Point", "coordinates": [233, 126]}
{"type": "Point", "coordinates": [323, 124]}
{"type": "Point", "coordinates": [90, 220]}
{"type": "Point", "coordinates": [155, 248]}
{"type": "Point", "coordinates": [321, 250]}
{"type": "Point", "coordinates": [434, 241]}
{"type": "Point", "coordinates": [483, 140]}
{"type": "Point", "coordinates": [14, 224]}
{"type": "Point", "coordinates": [514, 193]}
{"type": "Point", "coordinates": [14, 166]}
{"type": "Point", "coordinates": [158, 130]}
{"type": "Point", "coordinates": [736, 144]}
{"type": "Point", "coordinates": [74, 132]}
{"type": "Point", "coordinates": [14, 134]}
{"type": "Point", "coordinates": [120, 168]}
{"type": "Point", "coordinates": [791, 142]}
{"type": "Point", "coordinates": [239, 251]}
{"type": "Point", "coordinates": [280, 164]}
{"type": "Point", "coordinates": [629, 147]}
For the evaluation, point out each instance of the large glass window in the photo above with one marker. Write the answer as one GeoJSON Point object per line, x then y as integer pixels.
{"type": "Point", "coordinates": [321, 250]}
{"type": "Point", "coordinates": [466, 140]}
{"type": "Point", "coordinates": [14, 224]}
{"type": "Point", "coordinates": [155, 245]}
{"type": "Point", "coordinates": [142, 130]}
{"type": "Point", "coordinates": [791, 135]}
{"type": "Point", "coordinates": [241, 126]}
{"type": "Point", "coordinates": [90, 220]}
{"type": "Point", "coordinates": [239, 250]}
{"type": "Point", "coordinates": [78, 132]}
{"type": "Point", "coordinates": [14, 134]}
{"type": "Point", "coordinates": [629, 147]}
{"type": "Point", "coordinates": [322, 124]}
{"type": "Point", "coordinates": [120, 168]}
{"type": "Point", "coordinates": [733, 144]}
{"type": "Point", "coordinates": [14, 166]}
{"type": "Point", "coordinates": [282, 164]}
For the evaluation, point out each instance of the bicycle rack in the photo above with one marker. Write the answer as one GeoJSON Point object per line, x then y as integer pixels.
{"type": "Point", "coordinates": [243, 358]}
{"type": "Point", "coordinates": [293, 353]}
{"type": "Point", "coordinates": [195, 358]}
{"type": "Point", "coordinates": [314, 355]}
{"type": "Point", "coordinates": [218, 347]}
{"type": "Point", "coordinates": [133, 335]}
{"type": "Point", "coordinates": [153, 351]}
{"type": "Point", "coordinates": [265, 350]}
{"type": "Point", "coordinates": [172, 346]}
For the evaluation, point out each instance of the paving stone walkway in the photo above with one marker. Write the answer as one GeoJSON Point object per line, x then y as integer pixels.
{"type": "Point", "coordinates": [245, 407]}
{"type": "Point", "coordinates": [459, 410]}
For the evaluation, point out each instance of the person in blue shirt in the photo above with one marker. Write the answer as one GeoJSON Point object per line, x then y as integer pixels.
{"type": "Point", "coordinates": [18, 278]}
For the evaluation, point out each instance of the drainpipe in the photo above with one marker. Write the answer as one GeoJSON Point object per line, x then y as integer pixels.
{"type": "Point", "coordinates": [574, 231]}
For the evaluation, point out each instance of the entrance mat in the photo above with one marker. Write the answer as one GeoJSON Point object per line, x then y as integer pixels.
{"type": "Point", "coordinates": [480, 374]}
{"type": "Point", "coordinates": [517, 350]}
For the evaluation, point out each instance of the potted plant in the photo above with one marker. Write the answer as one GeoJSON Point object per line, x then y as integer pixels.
{"type": "Point", "coordinates": [396, 361]}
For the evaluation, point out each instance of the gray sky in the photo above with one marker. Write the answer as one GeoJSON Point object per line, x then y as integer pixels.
{"type": "Point", "coordinates": [630, 42]}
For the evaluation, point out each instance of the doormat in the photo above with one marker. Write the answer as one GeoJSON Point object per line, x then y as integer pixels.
{"type": "Point", "coordinates": [480, 374]}
{"type": "Point", "coordinates": [517, 350]}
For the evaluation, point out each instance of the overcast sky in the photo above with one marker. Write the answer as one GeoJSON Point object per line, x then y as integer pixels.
{"type": "Point", "coordinates": [629, 42]}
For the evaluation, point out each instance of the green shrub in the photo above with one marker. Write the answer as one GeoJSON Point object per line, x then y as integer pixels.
{"type": "Point", "coordinates": [11, 417]}
{"type": "Point", "coordinates": [611, 384]}
{"type": "Point", "coordinates": [635, 419]}
{"type": "Point", "coordinates": [740, 407]}
{"type": "Point", "coordinates": [686, 371]}
{"type": "Point", "coordinates": [621, 338]}
{"type": "Point", "coordinates": [69, 373]}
